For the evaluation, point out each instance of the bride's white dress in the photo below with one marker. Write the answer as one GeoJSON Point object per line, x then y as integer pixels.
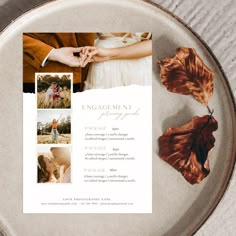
{"type": "Point", "coordinates": [116, 73]}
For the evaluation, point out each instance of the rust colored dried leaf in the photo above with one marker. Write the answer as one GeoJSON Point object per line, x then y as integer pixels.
{"type": "Point", "coordinates": [186, 148]}
{"type": "Point", "coordinates": [186, 74]}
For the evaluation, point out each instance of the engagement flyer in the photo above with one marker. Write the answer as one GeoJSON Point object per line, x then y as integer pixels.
{"type": "Point", "coordinates": [87, 121]}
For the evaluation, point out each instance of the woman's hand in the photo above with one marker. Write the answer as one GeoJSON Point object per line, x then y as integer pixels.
{"type": "Point", "coordinates": [95, 54]}
{"type": "Point", "coordinates": [103, 54]}
{"type": "Point", "coordinates": [61, 173]}
{"type": "Point", "coordinates": [133, 51]}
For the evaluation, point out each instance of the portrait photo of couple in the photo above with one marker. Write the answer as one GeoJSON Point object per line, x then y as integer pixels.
{"type": "Point", "coordinates": [54, 164]}
{"type": "Point", "coordinates": [53, 90]}
{"type": "Point", "coordinates": [97, 60]}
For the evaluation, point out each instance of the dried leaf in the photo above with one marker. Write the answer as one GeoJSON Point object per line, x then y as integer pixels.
{"type": "Point", "coordinates": [186, 148]}
{"type": "Point", "coordinates": [186, 73]}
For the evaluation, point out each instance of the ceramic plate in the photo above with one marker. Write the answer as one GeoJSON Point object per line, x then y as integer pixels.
{"type": "Point", "coordinates": [178, 207]}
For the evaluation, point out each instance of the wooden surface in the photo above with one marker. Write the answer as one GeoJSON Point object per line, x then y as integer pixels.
{"type": "Point", "coordinates": [215, 22]}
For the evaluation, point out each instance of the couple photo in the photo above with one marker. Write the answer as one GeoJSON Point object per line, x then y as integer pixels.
{"type": "Point", "coordinates": [97, 60]}
{"type": "Point", "coordinates": [54, 165]}
{"type": "Point", "coordinates": [53, 90]}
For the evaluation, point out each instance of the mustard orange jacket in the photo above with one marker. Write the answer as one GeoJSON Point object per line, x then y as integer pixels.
{"type": "Point", "coordinates": [36, 47]}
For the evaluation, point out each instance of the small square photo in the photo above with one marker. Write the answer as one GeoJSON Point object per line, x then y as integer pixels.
{"type": "Point", "coordinates": [54, 126]}
{"type": "Point", "coordinates": [54, 164]}
{"type": "Point", "coordinates": [53, 90]}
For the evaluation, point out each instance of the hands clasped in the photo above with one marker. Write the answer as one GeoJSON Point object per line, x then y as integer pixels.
{"type": "Point", "coordinates": [78, 57]}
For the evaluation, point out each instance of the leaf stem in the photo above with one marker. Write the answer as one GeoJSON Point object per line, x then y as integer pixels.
{"type": "Point", "coordinates": [210, 111]}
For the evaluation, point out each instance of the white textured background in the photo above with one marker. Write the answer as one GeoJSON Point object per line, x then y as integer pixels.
{"type": "Point", "coordinates": [215, 22]}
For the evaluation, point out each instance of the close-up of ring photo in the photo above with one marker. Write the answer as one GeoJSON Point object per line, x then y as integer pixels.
{"type": "Point", "coordinates": [118, 117]}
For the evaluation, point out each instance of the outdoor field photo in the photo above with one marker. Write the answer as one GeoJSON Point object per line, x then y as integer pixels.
{"type": "Point", "coordinates": [54, 126]}
{"type": "Point", "coordinates": [53, 90]}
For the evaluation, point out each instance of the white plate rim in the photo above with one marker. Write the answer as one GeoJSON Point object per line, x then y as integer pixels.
{"type": "Point", "coordinates": [232, 167]}
{"type": "Point", "coordinates": [221, 194]}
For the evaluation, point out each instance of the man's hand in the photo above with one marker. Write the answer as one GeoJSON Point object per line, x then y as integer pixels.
{"type": "Point", "coordinates": [66, 56]}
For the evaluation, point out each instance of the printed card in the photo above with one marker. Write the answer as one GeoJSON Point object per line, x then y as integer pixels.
{"type": "Point", "coordinates": [87, 117]}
